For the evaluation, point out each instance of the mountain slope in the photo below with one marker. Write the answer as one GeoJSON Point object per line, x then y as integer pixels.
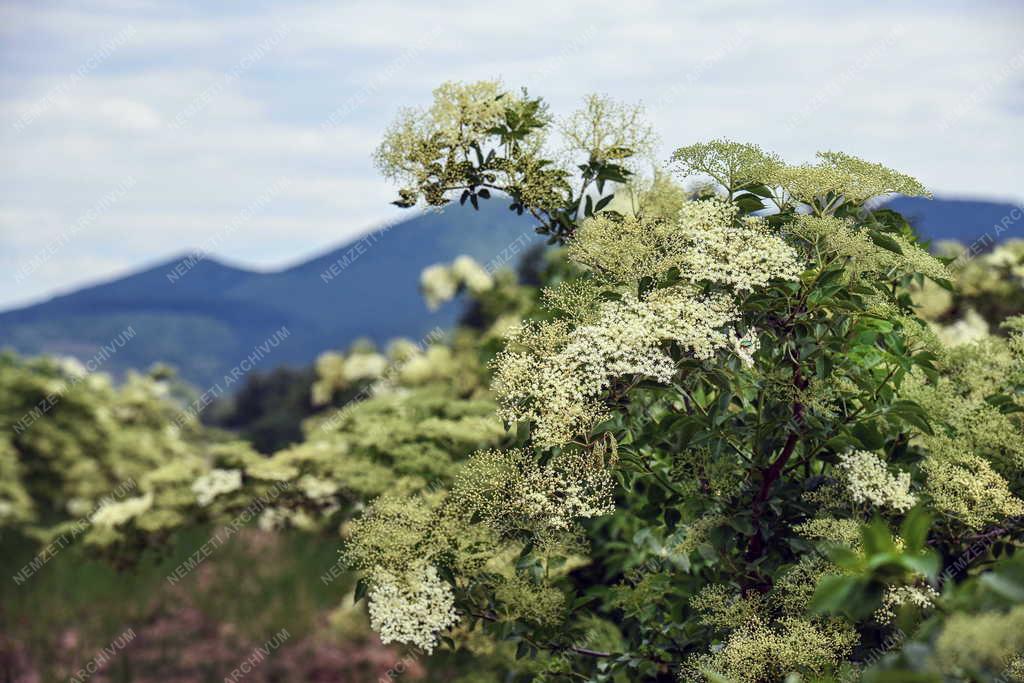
{"type": "Point", "coordinates": [205, 317]}
{"type": "Point", "coordinates": [964, 220]}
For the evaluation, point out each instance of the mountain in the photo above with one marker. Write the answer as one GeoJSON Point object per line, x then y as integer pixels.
{"type": "Point", "coordinates": [206, 318]}
{"type": "Point", "coordinates": [963, 220]}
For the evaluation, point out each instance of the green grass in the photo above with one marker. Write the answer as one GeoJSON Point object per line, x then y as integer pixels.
{"type": "Point", "coordinates": [247, 590]}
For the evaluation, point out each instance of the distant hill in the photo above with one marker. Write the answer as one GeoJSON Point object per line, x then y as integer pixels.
{"type": "Point", "coordinates": [212, 316]}
{"type": "Point", "coordinates": [964, 220]}
{"type": "Point", "coordinates": [205, 317]}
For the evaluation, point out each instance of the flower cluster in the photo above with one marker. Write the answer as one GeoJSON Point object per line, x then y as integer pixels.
{"type": "Point", "coordinates": [556, 374]}
{"type": "Point", "coordinates": [471, 274]}
{"type": "Point", "coordinates": [317, 488]}
{"type": "Point", "coordinates": [707, 242]}
{"type": "Point", "coordinates": [607, 130]}
{"type": "Point", "coordinates": [411, 608]}
{"type": "Point", "coordinates": [561, 388]}
{"type": "Point", "coordinates": [697, 532]}
{"type": "Point", "coordinates": [832, 530]}
{"type": "Point", "coordinates": [922, 597]}
{"type": "Point", "coordinates": [839, 178]}
{"type": "Point", "coordinates": [733, 165]}
{"type": "Point", "coordinates": [972, 327]}
{"type": "Point", "coordinates": [393, 530]}
{"type": "Point", "coordinates": [843, 239]}
{"type": "Point", "coordinates": [758, 651]}
{"type": "Point", "coordinates": [461, 113]}
{"type": "Point", "coordinates": [836, 179]}
{"type": "Point", "coordinates": [337, 371]}
{"type": "Point", "coordinates": [869, 480]}
{"type": "Point", "coordinates": [993, 639]}
{"type": "Point", "coordinates": [116, 513]}
{"type": "Point", "coordinates": [964, 486]}
{"type": "Point", "coordinates": [214, 483]}
{"type": "Point", "coordinates": [510, 489]}
{"type": "Point", "coordinates": [440, 283]}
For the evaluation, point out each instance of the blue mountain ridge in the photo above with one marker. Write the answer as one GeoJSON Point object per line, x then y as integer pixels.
{"type": "Point", "coordinates": [204, 317]}
{"type": "Point", "coordinates": [964, 220]}
{"type": "Point", "coordinates": [213, 316]}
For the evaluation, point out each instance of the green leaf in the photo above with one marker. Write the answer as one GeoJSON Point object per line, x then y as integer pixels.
{"type": "Point", "coordinates": [868, 435]}
{"type": "Point", "coordinates": [912, 413]}
{"type": "Point", "coordinates": [884, 560]}
{"type": "Point", "coordinates": [759, 190]}
{"type": "Point", "coordinates": [885, 242]}
{"type": "Point", "coordinates": [927, 563]}
{"type": "Point", "coordinates": [877, 538]}
{"type": "Point", "coordinates": [1004, 586]}
{"type": "Point", "coordinates": [749, 203]}
{"type": "Point", "coordinates": [914, 529]}
{"type": "Point", "coordinates": [684, 428]}
{"type": "Point", "coordinates": [603, 202]}
{"type": "Point", "coordinates": [834, 594]}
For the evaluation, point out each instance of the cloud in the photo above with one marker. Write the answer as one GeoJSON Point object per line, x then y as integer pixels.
{"type": "Point", "coordinates": [208, 106]}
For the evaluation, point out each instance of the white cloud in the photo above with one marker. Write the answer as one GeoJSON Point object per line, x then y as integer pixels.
{"type": "Point", "coordinates": [706, 69]}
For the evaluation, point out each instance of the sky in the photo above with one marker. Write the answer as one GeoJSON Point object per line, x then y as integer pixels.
{"type": "Point", "coordinates": [132, 131]}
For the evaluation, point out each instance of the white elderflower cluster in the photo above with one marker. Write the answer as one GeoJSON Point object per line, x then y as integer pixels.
{"type": "Point", "coordinates": [733, 165]}
{"type": "Point", "coordinates": [79, 507]}
{"type": "Point", "coordinates": [972, 327]}
{"type": "Point", "coordinates": [558, 379]}
{"type": "Point", "coordinates": [317, 488]}
{"type": "Point", "coordinates": [72, 367]}
{"type": "Point", "coordinates": [838, 178]}
{"type": "Point", "coordinates": [559, 374]}
{"type": "Point", "coordinates": [214, 483]}
{"type": "Point", "coordinates": [360, 366]}
{"type": "Point", "coordinates": [336, 371]}
{"type": "Point", "coordinates": [440, 283]}
{"type": "Point", "coordinates": [869, 480]}
{"type": "Point", "coordinates": [117, 513]}
{"type": "Point", "coordinates": [511, 489]}
{"type": "Point", "coordinates": [707, 242]}
{"type": "Point", "coordinates": [843, 238]}
{"type": "Point", "coordinates": [426, 366]}
{"type": "Point", "coordinates": [743, 255]}
{"type": "Point", "coordinates": [461, 112]}
{"type": "Point", "coordinates": [272, 519]}
{"type": "Point", "coordinates": [470, 273]}
{"type": "Point", "coordinates": [923, 597]}
{"type": "Point", "coordinates": [607, 130]}
{"type": "Point", "coordinates": [413, 608]}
